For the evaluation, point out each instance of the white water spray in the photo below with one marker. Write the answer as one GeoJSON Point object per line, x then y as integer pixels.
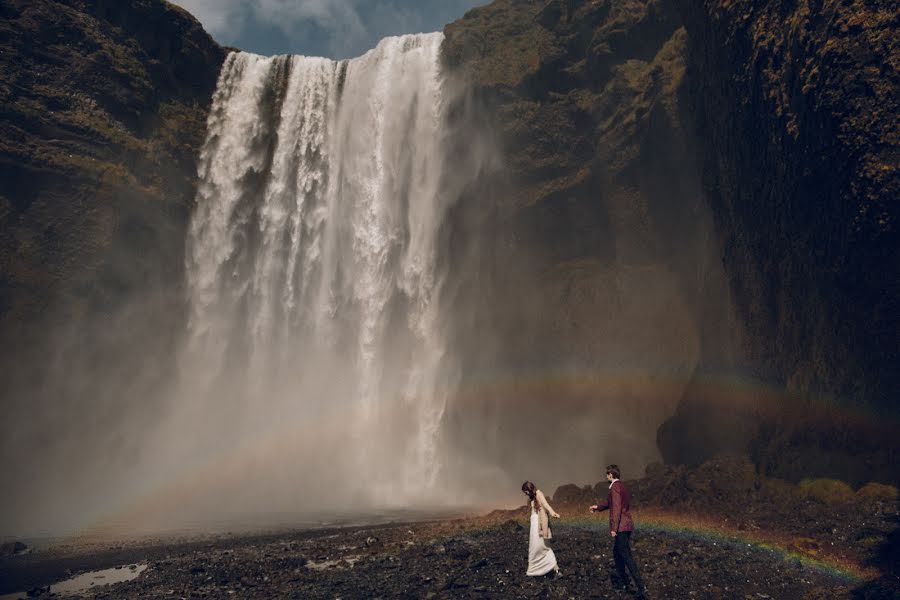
{"type": "Point", "coordinates": [313, 263]}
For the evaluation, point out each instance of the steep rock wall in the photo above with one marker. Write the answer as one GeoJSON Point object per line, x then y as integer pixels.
{"type": "Point", "coordinates": [797, 104]}
{"type": "Point", "coordinates": [102, 111]}
{"type": "Point", "coordinates": [702, 191]}
{"type": "Point", "coordinates": [593, 288]}
{"type": "Point", "coordinates": [669, 191]}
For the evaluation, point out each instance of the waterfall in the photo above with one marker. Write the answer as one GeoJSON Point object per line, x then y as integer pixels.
{"type": "Point", "coordinates": [314, 263]}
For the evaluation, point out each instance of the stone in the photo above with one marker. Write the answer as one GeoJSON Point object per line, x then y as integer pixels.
{"type": "Point", "coordinates": [13, 548]}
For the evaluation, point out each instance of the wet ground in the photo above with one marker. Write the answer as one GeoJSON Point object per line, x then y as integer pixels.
{"type": "Point", "coordinates": [468, 559]}
{"type": "Point", "coordinates": [717, 531]}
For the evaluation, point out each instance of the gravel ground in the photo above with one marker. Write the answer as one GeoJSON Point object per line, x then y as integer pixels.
{"type": "Point", "coordinates": [471, 559]}
{"type": "Point", "coordinates": [719, 530]}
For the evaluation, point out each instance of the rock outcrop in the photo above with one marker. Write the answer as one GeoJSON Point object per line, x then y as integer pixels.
{"type": "Point", "coordinates": [594, 287]}
{"type": "Point", "coordinates": [797, 106]}
{"type": "Point", "coordinates": [103, 112]}
{"type": "Point", "coordinates": [698, 191]}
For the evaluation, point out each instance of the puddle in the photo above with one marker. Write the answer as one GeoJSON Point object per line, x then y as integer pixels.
{"type": "Point", "coordinates": [88, 581]}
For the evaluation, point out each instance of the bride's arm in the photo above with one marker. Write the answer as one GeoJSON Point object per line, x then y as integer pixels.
{"type": "Point", "coordinates": [543, 500]}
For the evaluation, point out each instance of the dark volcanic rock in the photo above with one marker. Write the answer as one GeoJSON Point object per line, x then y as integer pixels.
{"type": "Point", "coordinates": [573, 495]}
{"type": "Point", "coordinates": [590, 264]}
{"type": "Point", "coordinates": [797, 105]}
{"type": "Point", "coordinates": [697, 192]}
{"type": "Point", "coordinates": [673, 566]}
{"type": "Point", "coordinates": [103, 111]}
{"type": "Point", "coordinates": [12, 548]}
{"type": "Point", "coordinates": [753, 519]}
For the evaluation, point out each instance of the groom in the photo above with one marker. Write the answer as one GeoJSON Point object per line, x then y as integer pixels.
{"type": "Point", "coordinates": [618, 501]}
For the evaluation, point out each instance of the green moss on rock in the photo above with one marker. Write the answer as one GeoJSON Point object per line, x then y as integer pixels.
{"type": "Point", "coordinates": [103, 108]}
{"type": "Point", "coordinates": [828, 491]}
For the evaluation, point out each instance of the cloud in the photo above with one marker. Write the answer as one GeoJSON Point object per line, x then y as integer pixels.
{"type": "Point", "coordinates": [336, 28]}
{"type": "Point", "coordinates": [338, 17]}
{"type": "Point", "coordinates": [216, 16]}
{"type": "Point", "coordinates": [229, 20]}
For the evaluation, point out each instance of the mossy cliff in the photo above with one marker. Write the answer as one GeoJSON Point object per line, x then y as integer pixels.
{"type": "Point", "coordinates": [103, 112]}
{"type": "Point", "coordinates": [798, 105]}
{"type": "Point", "coordinates": [594, 284]}
{"type": "Point", "coordinates": [665, 190]}
{"type": "Point", "coordinates": [696, 190]}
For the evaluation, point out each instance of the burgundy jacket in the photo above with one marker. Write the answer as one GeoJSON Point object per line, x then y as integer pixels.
{"type": "Point", "coordinates": [618, 501]}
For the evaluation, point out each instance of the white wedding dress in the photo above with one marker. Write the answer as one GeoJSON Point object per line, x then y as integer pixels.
{"type": "Point", "coordinates": [541, 559]}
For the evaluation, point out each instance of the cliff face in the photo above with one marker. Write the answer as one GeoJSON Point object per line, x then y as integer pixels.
{"type": "Point", "coordinates": [667, 190]}
{"type": "Point", "coordinates": [699, 191]}
{"type": "Point", "coordinates": [797, 104]}
{"type": "Point", "coordinates": [103, 111]}
{"type": "Point", "coordinates": [594, 289]}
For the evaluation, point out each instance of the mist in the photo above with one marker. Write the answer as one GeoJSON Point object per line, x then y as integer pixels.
{"type": "Point", "coordinates": [373, 314]}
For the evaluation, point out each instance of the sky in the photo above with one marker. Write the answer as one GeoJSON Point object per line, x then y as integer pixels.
{"type": "Point", "coordinates": [332, 28]}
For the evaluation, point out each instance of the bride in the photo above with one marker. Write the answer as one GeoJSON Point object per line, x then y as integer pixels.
{"type": "Point", "coordinates": [541, 559]}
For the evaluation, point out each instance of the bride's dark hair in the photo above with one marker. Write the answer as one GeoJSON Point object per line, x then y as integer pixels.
{"type": "Point", "coordinates": [530, 491]}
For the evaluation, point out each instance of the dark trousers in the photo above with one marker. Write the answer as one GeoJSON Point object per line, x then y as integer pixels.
{"type": "Point", "coordinates": [622, 555]}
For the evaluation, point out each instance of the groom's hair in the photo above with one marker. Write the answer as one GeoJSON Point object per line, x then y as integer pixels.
{"type": "Point", "coordinates": [614, 471]}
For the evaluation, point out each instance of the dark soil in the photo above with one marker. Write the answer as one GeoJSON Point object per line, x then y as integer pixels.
{"type": "Point", "coordinates": [473, 558]}
{"type": "Point", "coordinates": [746, 538]}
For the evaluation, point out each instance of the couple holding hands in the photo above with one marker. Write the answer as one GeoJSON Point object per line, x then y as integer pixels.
{"type": "Point", "coordinates": [542, 560]}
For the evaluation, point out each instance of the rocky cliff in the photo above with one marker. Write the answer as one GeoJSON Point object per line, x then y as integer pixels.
{"type": "Point", "coordinates": [668, 192]}
{"type": "Point", "coordinates": [697, 192]}
{"type": "Point", "coordinates": [597, 284]}
{"type": "Point", "coordinates": [797, 105]}
{"type": "Point", "coordinates": [103, 111]}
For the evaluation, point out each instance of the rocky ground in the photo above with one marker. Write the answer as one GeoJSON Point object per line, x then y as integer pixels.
{"type": "Point", "coordinates": [839, 555]}
{"type": "Point", "coordinates": [462, 560]}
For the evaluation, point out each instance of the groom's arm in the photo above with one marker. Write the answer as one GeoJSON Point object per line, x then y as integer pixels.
{"type": "Point", "coordinates": [600, 506]}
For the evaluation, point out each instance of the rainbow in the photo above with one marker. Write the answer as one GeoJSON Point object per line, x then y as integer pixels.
{"type": "Point", "coordinates": [735, 390]}
{"type": "Point", "coordinates": [579, 389]}
{"type": "Point", "coordinates": [833, 565]}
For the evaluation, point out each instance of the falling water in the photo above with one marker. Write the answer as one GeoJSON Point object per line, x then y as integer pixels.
{"type": "Point", "coordinates": [313, 263]}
